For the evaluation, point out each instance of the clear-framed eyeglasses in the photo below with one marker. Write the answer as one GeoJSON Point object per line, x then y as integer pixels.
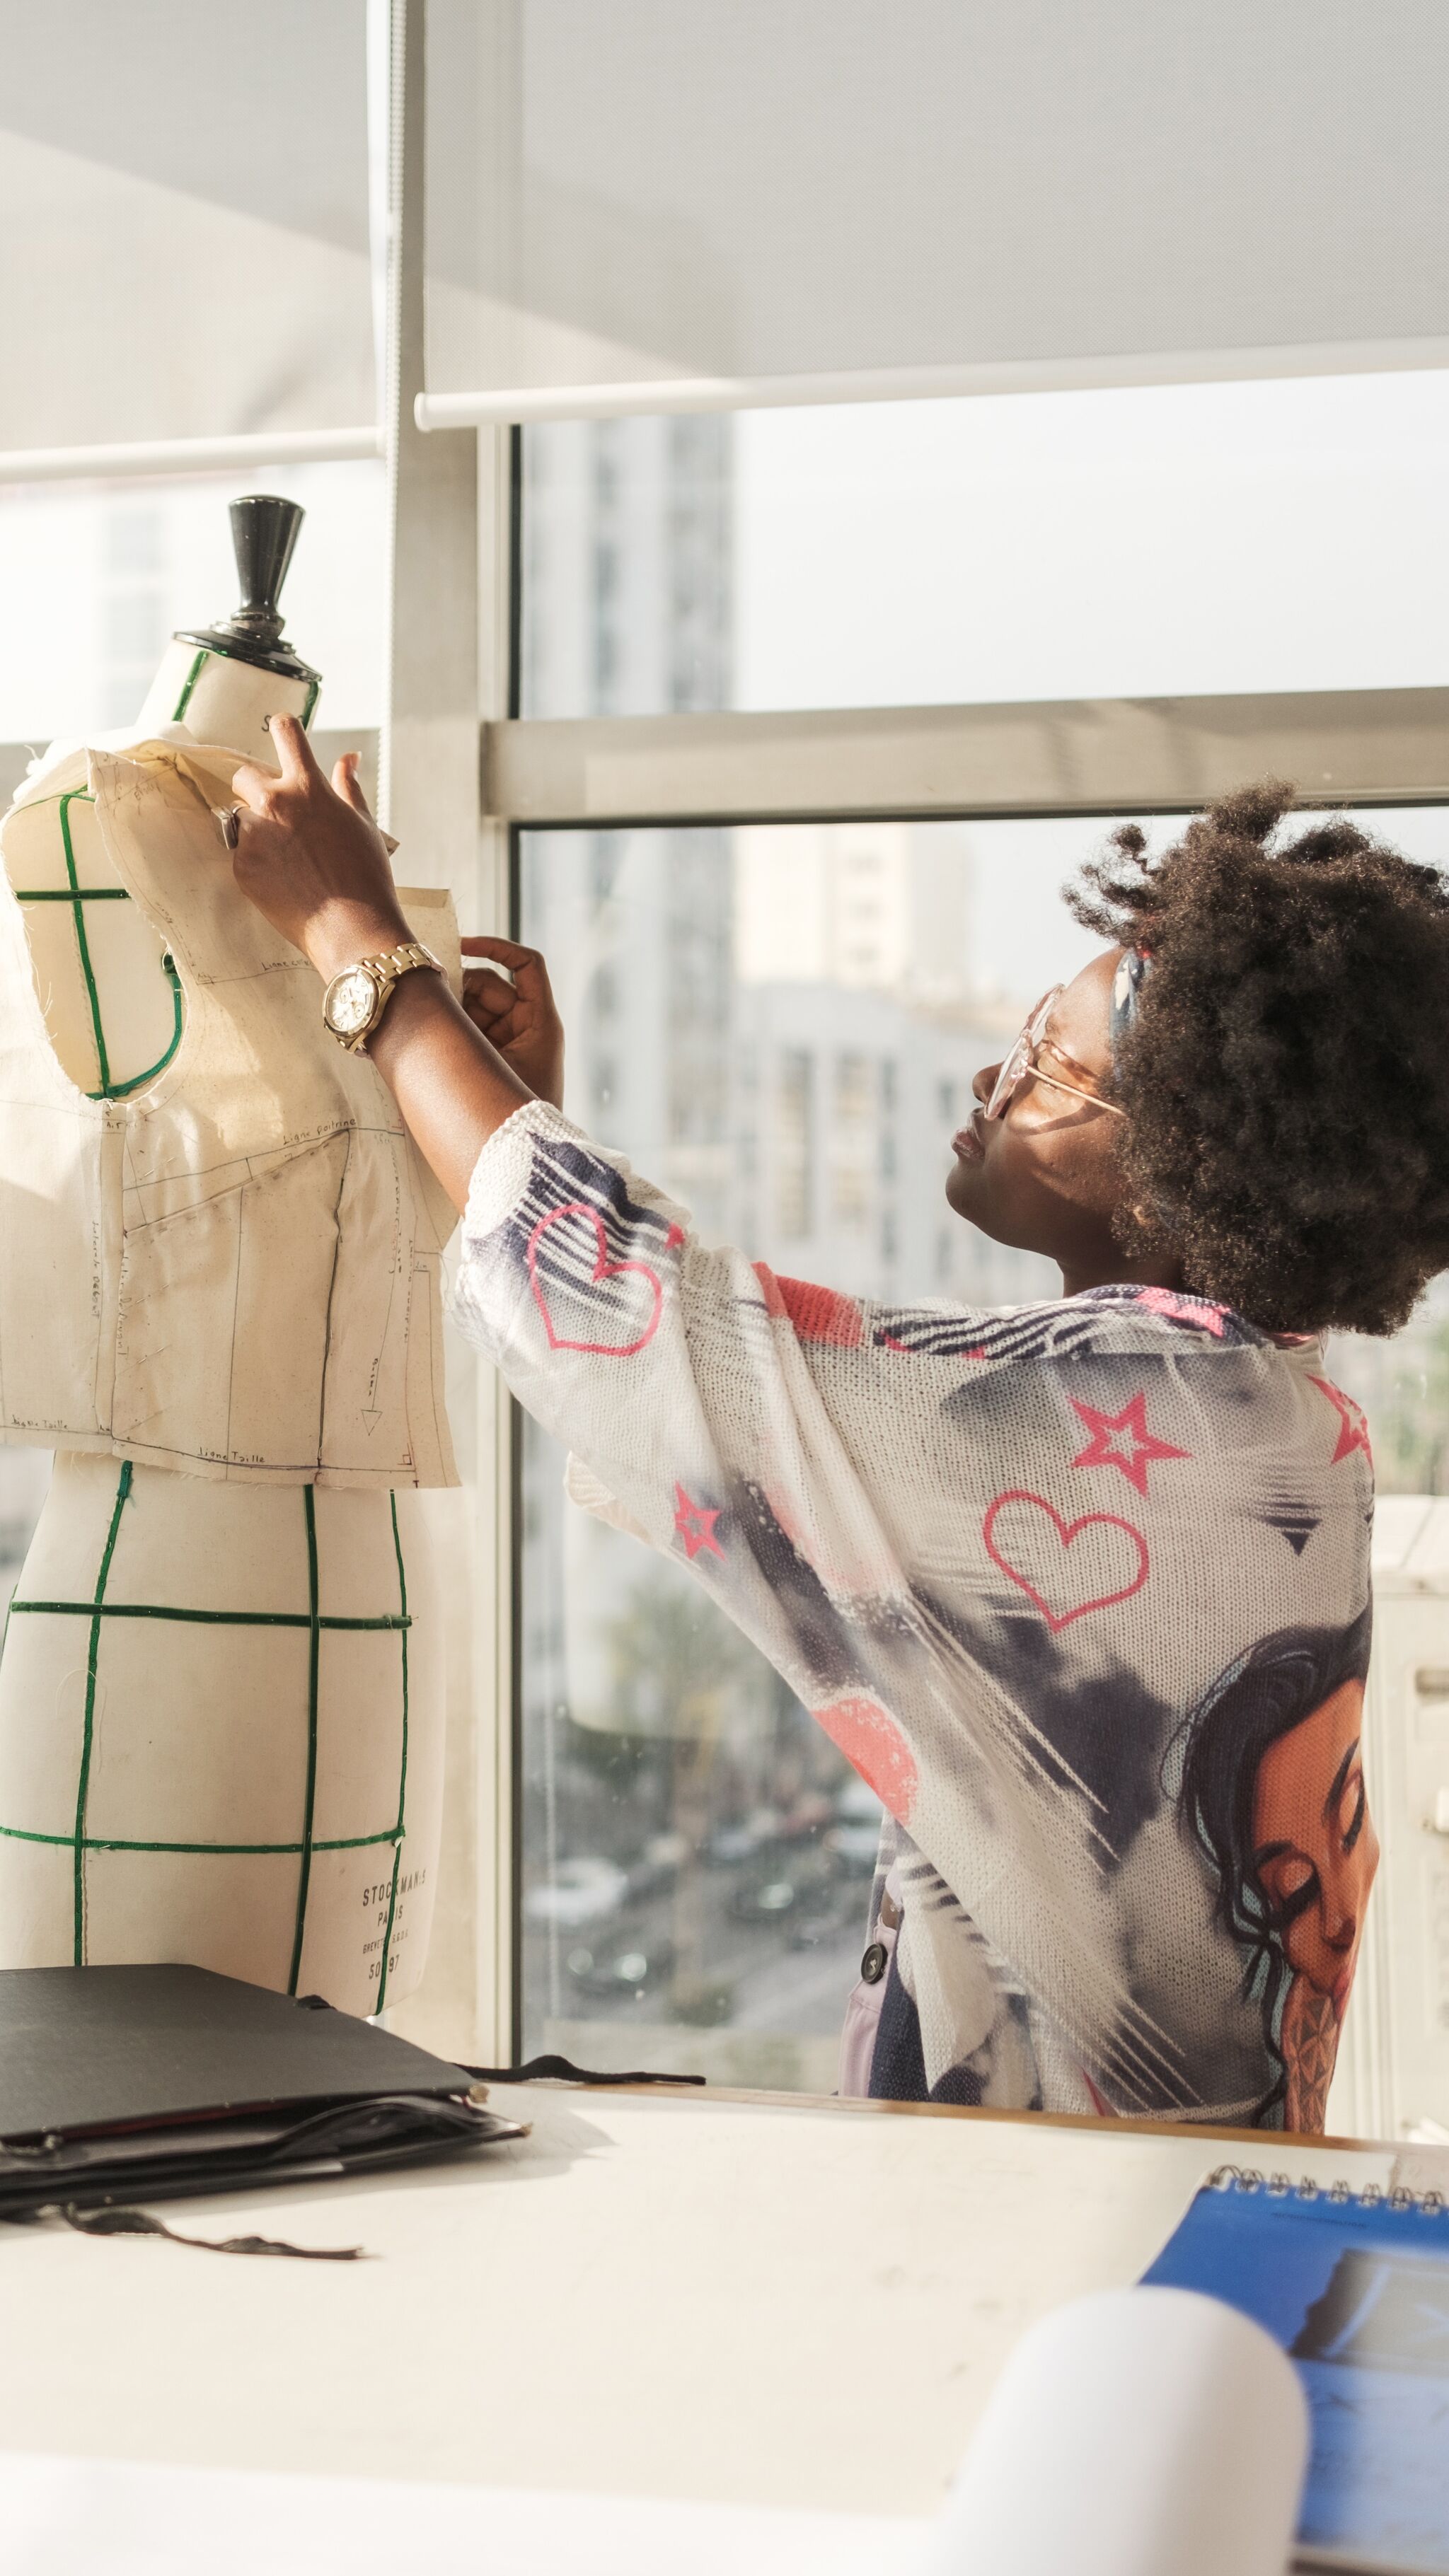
{"type": "Point", "coordinates": [1022, 1061]}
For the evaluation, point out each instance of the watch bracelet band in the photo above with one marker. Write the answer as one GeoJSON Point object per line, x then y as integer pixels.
{"type": "Point", "coordinates": [398, 961]}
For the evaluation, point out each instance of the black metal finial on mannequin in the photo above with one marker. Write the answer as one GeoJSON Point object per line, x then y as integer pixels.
{"type": "Point", "coordinates": [264, 533]}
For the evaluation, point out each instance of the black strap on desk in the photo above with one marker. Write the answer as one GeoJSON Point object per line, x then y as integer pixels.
{"type": "Point", "coordinates": [140, 2222]}
{"type": "Point", "coordinates": [561, 2070]}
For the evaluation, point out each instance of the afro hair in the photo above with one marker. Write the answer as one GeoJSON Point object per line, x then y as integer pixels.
{"type": "Point", "coordinates": [1286, 1080]}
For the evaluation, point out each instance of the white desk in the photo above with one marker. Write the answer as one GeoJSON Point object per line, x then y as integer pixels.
{"type": "Point", "coordinates": [662, 2296]}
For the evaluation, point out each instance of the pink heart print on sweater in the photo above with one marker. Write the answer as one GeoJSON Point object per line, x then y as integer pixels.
{"type": "Point", "coordinates": [1065, 1567]}
{"type": "Point", "coordinates": [628, 1325]}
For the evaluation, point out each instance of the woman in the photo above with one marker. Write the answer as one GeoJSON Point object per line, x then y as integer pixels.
{"type": "Point", "coordinates": [1002, 1557]}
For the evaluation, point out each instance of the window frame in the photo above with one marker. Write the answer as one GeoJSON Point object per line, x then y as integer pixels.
{"type": "Point", "coordinates": [1014, 760]}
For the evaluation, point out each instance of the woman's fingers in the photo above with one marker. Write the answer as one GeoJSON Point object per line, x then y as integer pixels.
{"type": "Point", "coordinates": [507, 951]}
{"type": "Point", "coordinates": [494, 1017]}
{"type": "Point", "coordinates": [298, 759]}
{"type": "Point", "coordinates": [255, 787]}
{"type": "Point", "coordinates": [251, 786]}
{"type": "Point", "coordinates": [348, 786]}
{"type": "Point", "coordinates": [480, 984]}
{"type": "Point", "coordinates": [515, 1011]}
{"type": "Point", "coordinates": [525, 965]}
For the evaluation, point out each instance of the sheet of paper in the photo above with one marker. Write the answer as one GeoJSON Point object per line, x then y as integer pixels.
{"type": "Point", "coordinates": [101, 2518]}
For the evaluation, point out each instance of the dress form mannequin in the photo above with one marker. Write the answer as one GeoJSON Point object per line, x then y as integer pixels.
{"type": "Point", "coordinates": [220, 1685]}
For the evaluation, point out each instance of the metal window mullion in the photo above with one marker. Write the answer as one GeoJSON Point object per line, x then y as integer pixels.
{"type": "Point", "coordinates": [1069, 756]}
{"type": "Point", "coordinates": [497, 1779]}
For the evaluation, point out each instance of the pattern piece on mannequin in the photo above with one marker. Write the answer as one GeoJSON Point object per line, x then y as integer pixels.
{"type": "Point", "coordinates": [64, 947]}
{"type": "Point", "coordinates": [279, 1822]}
{"type": "Point", "coordinates": [233, 1253]}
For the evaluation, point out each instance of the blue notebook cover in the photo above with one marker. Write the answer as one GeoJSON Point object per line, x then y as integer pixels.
{"type": "Point", "coordinates": [1356, 2290]}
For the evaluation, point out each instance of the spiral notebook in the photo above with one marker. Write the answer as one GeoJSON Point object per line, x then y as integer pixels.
{"type": "Point", "coordinates": [1355, 2287]}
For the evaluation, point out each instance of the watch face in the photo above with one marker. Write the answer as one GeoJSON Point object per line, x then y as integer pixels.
{"type": "Point", "coordinates": [350, 1002]}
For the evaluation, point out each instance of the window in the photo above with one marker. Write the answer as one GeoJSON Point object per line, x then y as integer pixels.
{"type": "Point", "coordinates": [628, 567]}
{"type": "Point", "coordinates": [853, 1090]}
{"type": "Point", "coordinates": [696, 1857]}
{"type": "Point", "coordinates": [96, 576]}
{"type": "Point", "coordinates": [1403, 1386]}
{"type": "Point", "coordinates": [1403, 1383]}
{"type": "Point", "coordinates": [1066, 545]}
{"type": "Point", "coordinates": [792, 1145]}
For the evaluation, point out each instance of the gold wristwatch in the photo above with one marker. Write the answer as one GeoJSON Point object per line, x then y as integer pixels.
{"type": "Point", "coordinates": [355, 1000]}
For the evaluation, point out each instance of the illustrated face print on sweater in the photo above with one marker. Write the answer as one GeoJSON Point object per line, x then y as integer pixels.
{"type": "Point", "coordinates": [1273, 1791]}
{"type": "Point", "coordinates": [1314, 1850]}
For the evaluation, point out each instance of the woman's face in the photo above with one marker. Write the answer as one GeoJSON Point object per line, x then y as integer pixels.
{"type": "Point", "coordinates": [1314, 1849]}
{"type": "Point", "coordinates": [1045, 1176]}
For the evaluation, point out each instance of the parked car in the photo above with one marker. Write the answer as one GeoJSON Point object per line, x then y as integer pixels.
{"type": "Point", "coordinates": [585, 1889]}
{"type": "Point", "coordinates": [728, 1845]}
{"type": "Point", "coordinates": [807, 1816]}
{"type": "Point", "coordinates": [658, 1865]}
{"type": "Point", "coordinates": [629, 1964]}
{"type": "Point", "coordinates": [855, 1847]}
{"type": "Point", "coordinates": [767, 1897]}
{"type": "Point", "coordinates": [856, 1802]}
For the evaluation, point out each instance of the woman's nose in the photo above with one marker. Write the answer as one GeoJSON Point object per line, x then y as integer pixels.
{"type": "Point", "coordinates": [984, 1083]}
{"type": "Point", "coordinates": [1339, 1905]}
{"type": "Point", "coordinates": [1346, 1884]}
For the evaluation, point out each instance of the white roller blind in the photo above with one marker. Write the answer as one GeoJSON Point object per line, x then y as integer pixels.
{"type": "Point", "coordinates": [797, 199]}
{"type": "Point", "coordinates": [183, 221]}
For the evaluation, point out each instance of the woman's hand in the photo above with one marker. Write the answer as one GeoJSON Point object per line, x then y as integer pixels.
{"type": "Point", "coordinates": [520, 1018]}
{"type": "Point", "coordinates": [312, 859]}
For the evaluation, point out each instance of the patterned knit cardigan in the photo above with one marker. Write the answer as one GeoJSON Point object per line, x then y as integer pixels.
{"type": "Point", "coordinates": [1081, 1590]}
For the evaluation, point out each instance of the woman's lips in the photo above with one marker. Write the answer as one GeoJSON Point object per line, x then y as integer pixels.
{"type": "Point", "coordinates": [969, 1145]}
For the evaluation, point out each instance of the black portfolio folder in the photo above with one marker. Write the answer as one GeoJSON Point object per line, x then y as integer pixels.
{"type": "Point", "coordinates": [148, 2083]}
